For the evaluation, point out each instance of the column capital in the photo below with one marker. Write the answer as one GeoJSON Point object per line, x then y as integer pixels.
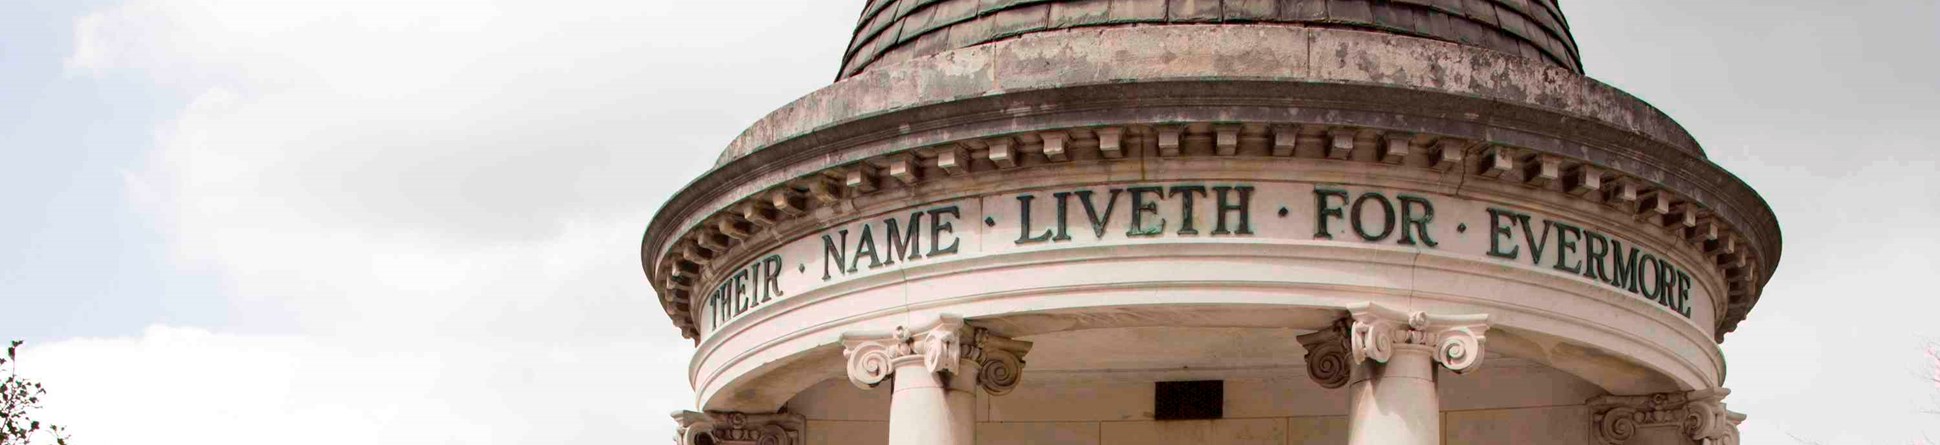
{"type": "Point", "coordinates": [942, 345]}
{"type": "Point", "coordinates": [1456, 339]}
{"type": "Point", "coordinates": [1327, 358]}
{"type": "Point", "coordinates": [1700, 414]}
{"type": "Point", "coordinates": [730, 428]}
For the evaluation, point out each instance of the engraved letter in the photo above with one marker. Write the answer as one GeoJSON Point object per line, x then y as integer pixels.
{"type": "Point", "coordinates": [1244, 208]}
{"type": "Point", "coordinates": [1024, 222]}
{"type": "Point", "coordinates": [1140, 208]}
{"type": "Point", "coordinates": [1418, 221]}
{"type": "Point", "coordinates": [938, 227]}
{"type": "Point", "coordinates": [1324, 210]}
{"type": "Point", "coordinates": [834, 253]}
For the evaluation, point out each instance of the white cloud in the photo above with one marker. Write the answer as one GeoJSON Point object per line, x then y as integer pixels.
{"type": "Point", "coordinates": [442, 167]}
{"type": "Point", "coordinates": [188, 385]}
{"type": "Point", "coordinates": [427, 212]}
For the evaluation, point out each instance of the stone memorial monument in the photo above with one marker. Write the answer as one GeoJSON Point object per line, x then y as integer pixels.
{"type": "Point", "coordinates": [1125, 222]}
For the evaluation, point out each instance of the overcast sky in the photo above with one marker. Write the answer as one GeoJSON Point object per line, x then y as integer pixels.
{"type": "Point", "coordinates": [417, 221]}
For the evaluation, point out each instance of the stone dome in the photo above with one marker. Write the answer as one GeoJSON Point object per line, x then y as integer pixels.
{"type": "Point", "coordinates": [896, 30]}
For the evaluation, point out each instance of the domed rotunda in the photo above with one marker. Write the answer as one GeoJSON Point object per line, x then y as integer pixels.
{"type": "Point", "coordinates": [1122, 222]}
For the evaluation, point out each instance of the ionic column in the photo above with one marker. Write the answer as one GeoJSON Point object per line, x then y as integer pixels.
{"type": "Point", "coordinates": [934, 368]}
{"type": "Point", "coordinates": [1388, 359]}
{"type": "Point", "coordinates": [727, 428]}
{"type": "Point", "coordinates": [1700, 415]}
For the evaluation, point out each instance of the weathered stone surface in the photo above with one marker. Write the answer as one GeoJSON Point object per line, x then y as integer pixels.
{"type": "Point", "coordinates": [1264, 52]}
{"type": "Point", "coordinates": [1224, 73]}
{"type": "Point", "coordinates": [1532, 29]}
{"type": "Point", "coordinates": [1223, 431]}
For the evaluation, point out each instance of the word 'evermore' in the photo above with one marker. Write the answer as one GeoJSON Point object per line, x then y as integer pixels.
{"type": "Point", "coordinates": [1603, 258]}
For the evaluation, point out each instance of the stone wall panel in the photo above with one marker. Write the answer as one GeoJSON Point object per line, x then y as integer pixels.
{"type": "Point", "coordinates": [1558, 425]}
{"type": "Point", "coordinates": [1317, 430]}
{"type": "Point", "coordinates": [1224, 431]}
{"type": "Point", "coordinates": [1072, 433]}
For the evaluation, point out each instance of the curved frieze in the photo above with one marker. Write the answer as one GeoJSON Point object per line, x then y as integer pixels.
{"type": "Point", "coordinates": [1303, 225]}
{"type": "Point", "coordinates": [995, 110]}
{"type": "Point", "coordinates": [1429, 218]}
{"type": "Point", "coordinates": [711, 281]}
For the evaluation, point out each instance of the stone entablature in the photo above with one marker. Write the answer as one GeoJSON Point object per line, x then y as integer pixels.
{"type": "Point", "coordinates": [988, 269]}
{"type": "Point", "coordinates": [896, 30]}
{"type": "Point", "coordinates": [700, 267]}
{"type": "Point", "coordinates": [1228, 208]}
{"type": "Point", "coordinates": [1649, 171]}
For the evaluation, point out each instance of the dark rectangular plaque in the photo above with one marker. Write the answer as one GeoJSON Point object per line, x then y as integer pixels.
{"type": "Point", "coordinates": [1196, 400]}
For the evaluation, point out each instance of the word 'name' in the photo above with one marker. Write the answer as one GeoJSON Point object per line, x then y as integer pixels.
{"type": "Point", "coordinates": [901, 242]}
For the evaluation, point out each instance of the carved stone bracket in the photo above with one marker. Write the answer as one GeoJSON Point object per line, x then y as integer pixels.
{"type": "Point", "coordinates": [941, 345]}
{"type": "Point", "coordinates": [1699, 414]}
{"type": "Point", "coordinates": [1377, 330]}
{"type": "Point", "coordinates": [726, 428]}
